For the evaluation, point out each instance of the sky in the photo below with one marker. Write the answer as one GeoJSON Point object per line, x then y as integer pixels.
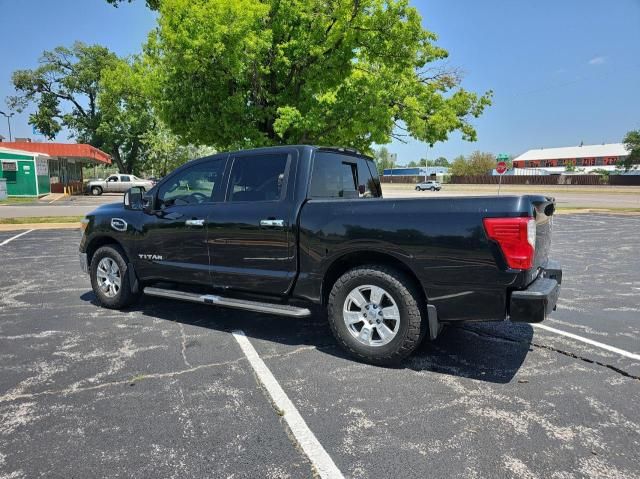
{"type": "Point", "coordinates": [562, 72]}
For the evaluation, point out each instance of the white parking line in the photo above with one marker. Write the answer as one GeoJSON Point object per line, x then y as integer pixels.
{"type": "Point", "coordinates": [306, 439]}
{"type": "Point", "coordinates": [14, 237]}
{"type": "Point", "coordinates": [613, 349]}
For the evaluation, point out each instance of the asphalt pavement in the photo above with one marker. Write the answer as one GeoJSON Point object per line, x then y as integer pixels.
{"type": "Point", "coordinates": [164, 390]}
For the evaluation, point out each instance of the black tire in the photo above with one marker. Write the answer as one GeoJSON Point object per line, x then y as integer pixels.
{"type": "Point", "coordinates": [124, 297]}
{"type": "Point", "coordinates": [96, 190]}
{"type": "Point", "coordinates": [433, 188]}
{"type": "Point", "coordinates": [417, 188]}
{"type": "Point", "coordinates": [411, 329]}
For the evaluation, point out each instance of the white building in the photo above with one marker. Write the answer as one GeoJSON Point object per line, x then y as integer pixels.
{"type": "Point", "coordinates": [585, 158]}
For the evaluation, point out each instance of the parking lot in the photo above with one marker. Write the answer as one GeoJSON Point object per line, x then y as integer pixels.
{"type": "Point", "coordinates": [165, 390]}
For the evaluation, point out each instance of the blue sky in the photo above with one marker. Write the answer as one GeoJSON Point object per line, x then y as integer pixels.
{"type": "Point", "coordinates": [562, 72]}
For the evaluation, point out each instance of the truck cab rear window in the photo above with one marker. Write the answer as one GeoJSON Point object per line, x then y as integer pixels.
{"type": "Point", "coordinates": [343, 176]}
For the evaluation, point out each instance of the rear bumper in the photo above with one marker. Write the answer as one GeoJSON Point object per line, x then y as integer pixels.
{"type": "Point", "coordinates": [533, 304]}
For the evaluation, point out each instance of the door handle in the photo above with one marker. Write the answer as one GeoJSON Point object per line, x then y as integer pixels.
{"type": "Point", "coordinates": [270, 222]}
{"type": "Point", "coordinates": [194, 222]}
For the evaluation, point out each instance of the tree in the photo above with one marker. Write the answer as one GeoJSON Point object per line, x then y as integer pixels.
{"type": "Point", "coordinates": [89, 91]}
{"type": "Point", "coordinates": [164, 152]}
{"type": "Point", "coordinates": [481, 163]}
{"type": "Point", "coordinates": [632, 143]}
{"type": "Point", "coordinates": [65, 90]}
{"type": "Point", "coordinates": [412, 164]}
{"type": "Point", "coordinates": [478, 163]}
{"type": "Point", "coordinates": [240, 73]}
{"type": "Point", "coordinates": [383, 160]}
{"type": "Point", "coordinates": [423, 162]}
{"type": "Point", "coordinates": [441, 161]}
{"type": "Point", "coordinates": [459, 166]}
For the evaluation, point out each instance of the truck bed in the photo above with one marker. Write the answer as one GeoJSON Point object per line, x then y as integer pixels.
{"type": "Point", "coordinates": [461, 270]}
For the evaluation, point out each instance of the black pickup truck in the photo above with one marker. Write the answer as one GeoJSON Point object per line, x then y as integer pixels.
{"type": "Point", "coordinates": [286, 230]}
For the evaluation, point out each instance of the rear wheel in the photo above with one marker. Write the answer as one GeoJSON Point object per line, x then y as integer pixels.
{"type": "Point", "coordinates": [110, 278]}
{"type": "Point", "coordinates": [96, 191]}
{"type": "Point", "coordinates": [374, 313]}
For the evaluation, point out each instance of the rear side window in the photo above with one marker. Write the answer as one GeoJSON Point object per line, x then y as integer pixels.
{"type": "Point", "coordinates": [343, 176]}
{"type": "Point", "coordinates": [258, 178]}
{"type": "Point", "coordinates": [125, 178]}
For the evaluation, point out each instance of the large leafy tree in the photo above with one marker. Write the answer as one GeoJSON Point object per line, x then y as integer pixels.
{"type": "Point", "coordinates": [127, 114]}
{"type": "Point", "coordinates": [164, 152]}
{"type": "Point", "coordinates": [90, 92]}
{"type": "Point", "coordinates": [98, 99]}
{"type": "Point", "coordinates": [64, 89]}
{"type": "Point", "coordinates": [240, 73]}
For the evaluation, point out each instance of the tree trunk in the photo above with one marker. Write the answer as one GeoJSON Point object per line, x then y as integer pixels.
{"type": "Point", "coordinates": [118, 159]}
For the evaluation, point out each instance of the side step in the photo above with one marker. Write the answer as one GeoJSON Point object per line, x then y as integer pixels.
{"type": "Point", "coordinates": [257, 306]}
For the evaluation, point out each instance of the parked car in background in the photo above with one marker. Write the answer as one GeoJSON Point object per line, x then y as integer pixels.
{"type": "Point", "coordinates": [117, 184]}
{"type": "Point", "coordinates": [429, 185]}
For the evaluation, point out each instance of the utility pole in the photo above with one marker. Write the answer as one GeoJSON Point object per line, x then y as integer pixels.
{"type": "Point", "coordinates": [8, 117]}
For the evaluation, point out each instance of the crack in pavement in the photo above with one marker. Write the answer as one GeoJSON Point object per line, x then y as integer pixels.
{"type": "Point", "coordinates": [183, 339]}
{"type": "Point", "coordinates": [14, 397]}
{"type": "Point", "coordinates": [554, 349]}
{"type": "Point", "coordinates": [72, 390]}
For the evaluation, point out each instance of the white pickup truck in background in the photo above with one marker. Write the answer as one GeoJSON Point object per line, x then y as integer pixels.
{"type": "Point", "coordinates": [117, 184]}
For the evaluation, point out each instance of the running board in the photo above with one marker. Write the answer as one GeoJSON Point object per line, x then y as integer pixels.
{"type": "Point", "coordinates": [214, 300]}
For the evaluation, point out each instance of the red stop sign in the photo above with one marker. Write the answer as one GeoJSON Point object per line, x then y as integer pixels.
{"type": "Point", "coordinates": [501, 167]}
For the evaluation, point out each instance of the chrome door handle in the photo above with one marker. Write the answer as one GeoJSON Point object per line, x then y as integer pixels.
{"type": "Point", "coordinates": [194, 222]}
{"type": "Point", "coordinates": [278, 223]}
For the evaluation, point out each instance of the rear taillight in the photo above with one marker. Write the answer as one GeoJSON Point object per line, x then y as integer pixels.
{"type": "Point", "coordinates": [516, 237]}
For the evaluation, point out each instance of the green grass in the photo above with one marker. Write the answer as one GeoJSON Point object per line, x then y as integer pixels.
{"type": "Point", "coordinates": [16, 201]}
{"type": "Point", "coordinates": [40, 219]}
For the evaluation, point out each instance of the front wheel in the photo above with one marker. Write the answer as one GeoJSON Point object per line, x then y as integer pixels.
{"type": "Point", "coordinates": [375, 314]}
{"type": "Point", "coordinates": [433, 189]}
{"type": "Point", "coordinates": [110, 278]}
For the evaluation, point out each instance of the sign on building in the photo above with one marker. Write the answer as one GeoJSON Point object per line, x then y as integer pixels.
{"type": "Point", "coordinates": [42, 167]}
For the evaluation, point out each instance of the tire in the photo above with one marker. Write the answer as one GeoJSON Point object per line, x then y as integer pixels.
{"type": "Point", "coordinates": [432, 189]}
{"type": "Point", "coordinates": [116, 297]}
{"type": "Point", "coordinates": [96, 190]}
{"type": "Point", "coordinates": [401, 290]}
{"type": "Point", "coordinates": [417, 188]}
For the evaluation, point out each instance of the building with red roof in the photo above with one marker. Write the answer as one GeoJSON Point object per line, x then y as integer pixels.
{"type": "Point", "coordinates": [55, 168]}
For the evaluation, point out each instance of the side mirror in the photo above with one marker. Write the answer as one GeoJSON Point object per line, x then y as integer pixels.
{"type": "Point", "coordinates": [133, 198]}
{"type": "Point", "coordinates": [148, 202]}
